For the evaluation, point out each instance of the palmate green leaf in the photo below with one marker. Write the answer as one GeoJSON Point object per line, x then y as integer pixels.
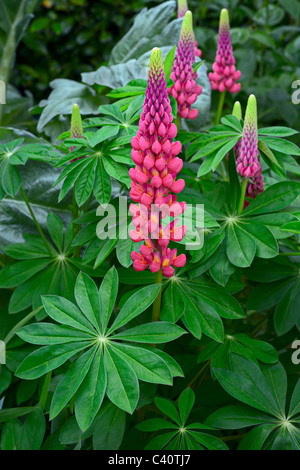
{"type": "Point", "coordinates": [277, 131]}
{"type": "Point", "coordinates": [90, 394]}
{"type": "Point", "coordinates": [295, 401]}
{"type": "Point", "coordinates": [136, 304]}
{"type": "Point", "coordinates": [240, 246]}
{"type": "Point", "coordinates": [71, 381]}
{"type": "Point", "coordinates": [276, 379]}
{"type": "Point", "coordinates": [108, 293]}
{"type": "Point", "coordinates": [56, 230]}
{"type": "Point", "coordinates": [287, 310]}
{"type": "Point", "coordinates": [168, 408]}
{"type": "Point", "coordinates": [185, 403]}
{"type": "Point", "coordinates": [102, 134]}
{"type": "Point", "coordinates": [255, 439]}
{"type": "Point", "coordinates": [223, 151]}
{"type": "Point", "coordinates": [281, 145]}
{"type": "Point", "coordinates": [260, 349]}
{"type": "Point", "coordinates": [198, 320]}
{"type": "Point", "coordinates": [210, 442]}
{"type": "Point", "coordinates": [274, 198]}
{"type": "Point", "coordinates": [105, 250]}
{"type": "Point", "coordinates": [210, 148]}
{"type": "Point", "coordinates": [49, 334]}
{"type": "Point", "coordinates": [159, 442]}
{"type": "Point", "coordinates": [248, 386]}
{"type": "Point", "coordinates": [292, 227]}
{"type": "Point", "coordinates": [87, 298]}
{"type": "Point", "coordinates": [85, 183]}
{"type": "Point", "coordinates": [48, 358]}
{"type": "Point", "coordinates": [17, 273]}
{"type": "Point", "coordinates": [13, 413]}
{"type": "Point", "coordinates": [156, 332]}
{"type": "Point", "coordinates": [122, 382]}
{"type": "Point", "coordinates": [117, 171]}
{"type": "Point", "coordinates": [109, 428]}
{"type": "Point", "coordinates": [146, 364]}
{"type": "Point", "coordinates": [174, 368]}
{"type": "Point", "coordinates": [155, 424]}
{"type": "Point", "coordinates": [65, 312]}
{"type": "Point", "coordinates": [173, 305]}
{"type": "Point", "coordinates": [11, 435]}
{"type": "Point", "coordinates": [33, 431]}
{"type": "Point", "coordinates": [266, 245]}
{"type": "Point", "coordinates": [11, 179]}
{"type": "Point", "coordinates": [238, 417]}
{"type": "Point", "coordinates": [102, 186]}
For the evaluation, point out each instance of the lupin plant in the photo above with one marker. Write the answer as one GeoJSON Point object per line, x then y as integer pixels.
{"type": "Point", "coordinates": [182, 9]}
{"type": "Point", "coordinates": [185, 89]}
{"type": "Point", "coordinates": [248, 164]}
{"type": "Point", "coordinates": [76, 130]}
{"type": "Point", "coordinates": [224, 75]}
{"type": "Point", "coordinates": [83, 365]}
{"type": "Point", "coordinates": [154, 178]}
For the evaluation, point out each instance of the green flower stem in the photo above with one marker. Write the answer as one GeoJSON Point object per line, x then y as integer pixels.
{"type": "Point", "coordinates": [220, 107]}
{"type": "Point", "coordinates": [296, 253]}
{"type": "Point", "coordinates": [21, 323]}
{"type": "Point", "coordinates": [157, 302]}
{"type": "Point", "coordinates": [242, 198]}
{"type": "Point", "coordinates": [45, 390]}
{"type": "Point", "coordinates": [36, 222]}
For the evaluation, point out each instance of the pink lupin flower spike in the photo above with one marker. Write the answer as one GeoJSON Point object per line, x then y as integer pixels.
{"type": "Point", "coordinates": [185, 89]}
{"type": "Point", "coordinates": [248, 164]}
{"type": "Point", "coordinates": [224, 75]}
{"type": "Point", "coordinates": [182, 9]}
{"type": "Point", "coordinates": [154, 178]}
{"type": "Point", "coordinates": [76, 131]}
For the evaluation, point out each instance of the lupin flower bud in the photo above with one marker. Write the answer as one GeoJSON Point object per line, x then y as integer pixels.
{"type": "Point", "coordinates": [185, 89]}
{"type": "Point", "coordinates": [237, 112]}
{"type": "Point", "coordinates": [248, 164]}
{"type": "Point", "coordinates": [154, 178]}
{"type": "Point", "coordinates": [76, 131]}
{"type": "Point", "coordinates": [224, 75]}
{"type": "Point", "coordinates": [182, 9]}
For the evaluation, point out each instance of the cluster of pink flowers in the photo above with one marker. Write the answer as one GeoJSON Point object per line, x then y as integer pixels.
{"type": "Point", "coordinates": [224, 75]}
{"type": "Point", "coordinates": [182, 9]}
{"type": "Point", "coordinates": [154, 178]}
{"type": "Point", "coordinates": [247, 154]}
{"type": "Point", "coordinates": [185, 89]}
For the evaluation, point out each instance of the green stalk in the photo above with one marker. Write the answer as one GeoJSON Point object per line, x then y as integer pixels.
{"type": "Point", "coordinates": [242, 198]}
{"type": "Point", "coordinates": [47, 245]}
{"type": "Point", "coordinates": [157, 302]}
{"type": "Point", "coordinates": [20, 324]}
{"type": "Point", "coordinates": [45, 390]}
{"type": "Point", "coordinates": [220, 107]}
{"type": "Point", "coordinates": [297, 253]}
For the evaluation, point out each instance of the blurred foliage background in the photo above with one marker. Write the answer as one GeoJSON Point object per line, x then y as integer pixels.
{"type": "Point", "coordinates": [68, 37]}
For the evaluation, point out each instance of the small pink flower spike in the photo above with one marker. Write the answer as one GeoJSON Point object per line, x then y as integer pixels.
{"type": "Point", "coordinates": [154, 177]}
{"type": "Point", "coordinates": [248, 164]}
{"type": "Point", "coordinates": [182, 9]}
{"type": "Point", "coordinates": [185, 89]}
{"type": "Point", "coordinates": [76, 131]}
{"type": "Point", "coordinates": [224, 75]}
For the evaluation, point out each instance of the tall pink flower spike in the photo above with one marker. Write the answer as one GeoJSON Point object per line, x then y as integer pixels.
{"type": "Point", "coordinates": [185, 89]}
{"type": "Point", "coordinates": [182, 9]}
{"type": "Point", "coordinates": [224, 75]}
{"type": "Point", "coordinates": [248, 164]}
{"type": "Point", "coordinates": [154, 178]}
